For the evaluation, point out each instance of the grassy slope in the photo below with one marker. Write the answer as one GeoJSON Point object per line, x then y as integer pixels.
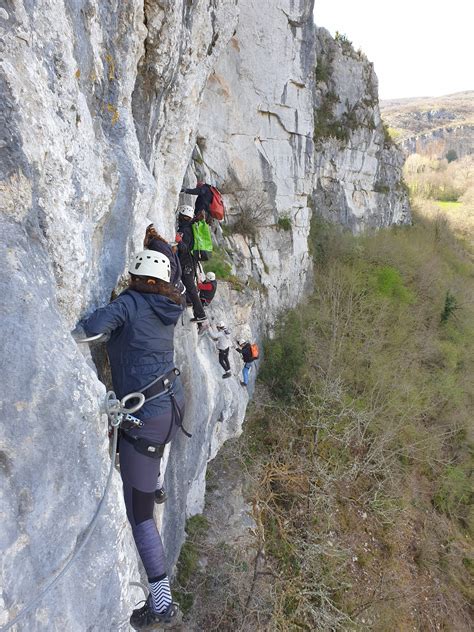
{"type": "Point", "coordinates": [366, 484]}
{"type": "Point", "coordinates": [358, 449]}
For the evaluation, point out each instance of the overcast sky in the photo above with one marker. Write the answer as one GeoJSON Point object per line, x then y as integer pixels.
{"type": "Point", "coordinates": [419, 47]}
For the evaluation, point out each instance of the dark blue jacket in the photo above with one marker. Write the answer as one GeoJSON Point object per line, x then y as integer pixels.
{"type": "Point", "coordinates": [185, 246]}
{"type": "Point", "coordinates": [165, 249]}
{"type": "Point", "coordinates": [141, 345]}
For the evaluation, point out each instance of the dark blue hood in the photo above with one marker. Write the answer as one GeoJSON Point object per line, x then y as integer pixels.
{"type": "Point", "coordinates": [166, 309]}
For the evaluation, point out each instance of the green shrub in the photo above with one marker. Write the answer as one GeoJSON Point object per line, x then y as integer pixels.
{"type": "Point", "coordinates": [284, 356]}
{"type": "Point", "coordinates": [196, 527]}
{"type": "Point", "coordinates": [237, 284]}
{"type": "Point", "coordinates": [323, 69]}
{"type": "Point", "coordinates": [219, 264]}
{"type": "Point", "coordinates": [389, 283]}
{"type": "Point", "coordinates": [345, 43]}
{"type": "Point", "coordinates": [284, 222]}
{"type": "Point", "coordinates": [325, 123]}
{"type": "Point", "coordinates": [381, 188]}
{"type": "Point", "coordinates": [446, 194]}
{"type": "Point", "coordinates": [455, 492]}
{"type": "Point", "coordinates": [451, 155]}
{"type": "Point", "coordinates": [394, 133]}
{"type": "Point", "coordinates": [187, 563]}
{"type": "Point", "coordinates": [450, 306]}
{"type": "Point", "coordinates": [388, 140]}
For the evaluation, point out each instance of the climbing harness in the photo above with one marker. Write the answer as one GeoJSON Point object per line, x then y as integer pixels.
{"type": "Point", "coordinates": [118, 414]}
{"type": "Point", "coordinates": [144, 446]}
{"type": "Point", "coordinates": [157, 388]}
{"type": "Point", "coordinates": [160, 386]}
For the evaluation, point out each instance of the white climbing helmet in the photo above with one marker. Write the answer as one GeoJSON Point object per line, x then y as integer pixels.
{"type": "Point", "coordinates": [150, 263]}
{"type": "Point", "coordinates": [221, 324]}
{"type": "Point", "coordinates": [210, 276]}
{"type": "Point", "coordinates": [186, 210]}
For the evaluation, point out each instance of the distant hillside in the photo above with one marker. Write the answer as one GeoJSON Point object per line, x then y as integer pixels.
{"type": "Point", "coordinates": [432, 125]}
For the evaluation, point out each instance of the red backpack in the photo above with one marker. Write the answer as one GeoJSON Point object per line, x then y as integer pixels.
{"type": "Point", "coordinates": [255, 351]}
{"type": "Point", "coordinates": [216, 207]}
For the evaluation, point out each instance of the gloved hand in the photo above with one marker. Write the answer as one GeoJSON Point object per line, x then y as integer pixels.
{"type": "Point", "coordinates": [178, 238]}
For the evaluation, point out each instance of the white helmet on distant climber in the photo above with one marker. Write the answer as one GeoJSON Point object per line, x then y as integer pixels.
{"type": "Point", "coordinates": [186, 210]}
{"type": "Point", "coordinates": [221, 324]}
{"type": "Point", "coordinates": [210, 276]}
{"type": "Point", "coordinates": [150, 263]}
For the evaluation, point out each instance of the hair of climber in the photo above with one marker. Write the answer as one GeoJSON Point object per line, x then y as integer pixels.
{"type": "Point", "coordinates": [149, 285]}
{"type": "Point", "coordinates": [150, 234]}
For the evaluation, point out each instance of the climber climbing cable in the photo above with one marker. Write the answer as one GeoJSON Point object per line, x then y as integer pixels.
{"type": "Point", "coordinates": [188, 262]}
{"type": "Point", "coordinates": [221, 338]}
{"type": "Point", "coordinates": [249, 353]}
{"type": "Point", "coordinates": [207, 289]}
{"type": "Point", "coordinates": [141, 324]}
{"type": "Point", "coordinates": [203, 199]}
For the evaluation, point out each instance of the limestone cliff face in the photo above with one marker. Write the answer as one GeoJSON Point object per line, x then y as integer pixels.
{"type": "Point", "coordinates": [438, 142]}
{"type": "Point", "coordinates": [357, 175]}
{"type": "Point", "coordinates": [107, 109]}
{"type": "Point", "coordinates": [433, 125]}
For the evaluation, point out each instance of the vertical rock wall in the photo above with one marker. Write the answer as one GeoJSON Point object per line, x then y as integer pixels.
{"type": "Point", "coordinates": [254, 138]}
{"type": "Point", "coordinates": [358, 170]}
{"type": "Point", "coordinates": [106, 107]}
{"type": "Point", "coordinates": [78, 189]}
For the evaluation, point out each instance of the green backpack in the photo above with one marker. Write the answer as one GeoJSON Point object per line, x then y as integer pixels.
{"type": "Point", "coordinates": [202, 240]}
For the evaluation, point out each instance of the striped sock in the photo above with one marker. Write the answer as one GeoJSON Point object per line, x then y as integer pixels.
{"type": "Point", "coordinates": [160, 593]}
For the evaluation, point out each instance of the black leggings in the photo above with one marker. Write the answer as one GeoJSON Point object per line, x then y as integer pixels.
{"type": "Point", "coordinates": [192, 294]}
{"type": "Point", "coordinates": [139, 477]}
{"type": "Point", "coordinates": [224, 359]}
{"type": "Point", "coordinates": [148, 541]}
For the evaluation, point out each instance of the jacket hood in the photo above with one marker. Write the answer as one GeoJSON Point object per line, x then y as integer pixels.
{"type": "Point", "coordinates": [166, 310]}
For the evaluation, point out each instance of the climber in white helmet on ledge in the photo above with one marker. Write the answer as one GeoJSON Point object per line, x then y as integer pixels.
{"type": "Point", "coordinates": [207, 289]}
{"type": "Point", "coordinates": [221, 338]}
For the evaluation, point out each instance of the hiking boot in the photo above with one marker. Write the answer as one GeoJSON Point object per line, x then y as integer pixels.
{"type": "Point", "coordinates": [145, 619]}
{"type": "Point", "coordinates": [199, 319]}
{"type": "Point", "coordinates": [242, 383]}
{"type": "Point", "coordinates": [160, 496]}
{"type": "Point", "coordinates": [227, 374]}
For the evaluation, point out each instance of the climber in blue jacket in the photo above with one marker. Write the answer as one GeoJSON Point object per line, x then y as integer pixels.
{"type": "Point", "coordinates": [140, 323]}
